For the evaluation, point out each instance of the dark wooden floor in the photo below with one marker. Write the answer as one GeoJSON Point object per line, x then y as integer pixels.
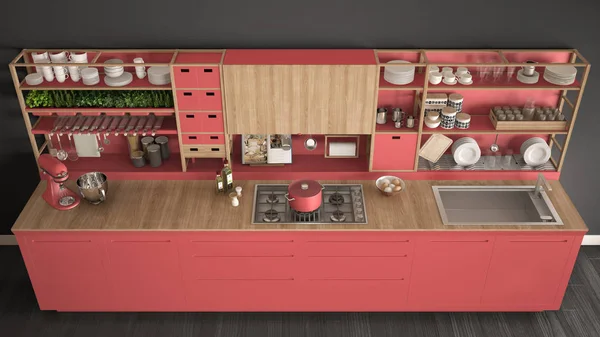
{"type": "Point", "coordinates": [579, 316]}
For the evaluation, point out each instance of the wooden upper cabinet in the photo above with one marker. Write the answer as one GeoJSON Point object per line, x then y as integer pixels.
{"type": "Point", "coordinates": [300, 92]}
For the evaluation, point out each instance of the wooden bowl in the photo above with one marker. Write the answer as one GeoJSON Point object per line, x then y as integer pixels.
{"type": "Point", "coordinates": [380, 180]}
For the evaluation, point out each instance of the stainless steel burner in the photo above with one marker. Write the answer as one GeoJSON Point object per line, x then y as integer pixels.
{"type": "Point", "coordinates": [336, 199]}
{"type": "Point", "coordinates": [272, 198]}
{"type": "Point", "coordinates": [338, 216]}
{"type": "Point", "coordinates": [271, 215]}
{"type": "Point", "coordinates": [306, 216]}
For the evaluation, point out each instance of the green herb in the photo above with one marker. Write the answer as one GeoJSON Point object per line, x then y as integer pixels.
{"type": "Point", "coordinates": [99, 99]}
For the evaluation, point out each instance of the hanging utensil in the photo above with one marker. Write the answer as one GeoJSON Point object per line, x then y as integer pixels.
{"type": "Point", "coordinates": [140, 124]}
{"type": "Point", "coordinates": [61, 154]}
{"type": "Point", "coordinates": [149, 123]}
{"type": "Point", "coordinates": [132, 123]}
{"type": "Point", "coordinates": [122, 125]}
{"type": "Point", "coordinates": [100, 147]}
{"type": "Point", "coordinates": [72, 153]}
{"type": "Point", "coordinates": [494, 147]}
{"type": "Point", "coordinates": [157, 124]}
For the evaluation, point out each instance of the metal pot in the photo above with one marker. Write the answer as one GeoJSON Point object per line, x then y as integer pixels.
{"type": "Point", "coordinates": [305, 195]}
{"type": "Point", "coordinates": [93, 187]}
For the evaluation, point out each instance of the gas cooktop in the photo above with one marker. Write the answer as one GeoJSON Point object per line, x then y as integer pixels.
{"type": "Point", "coordinates": [340, 204]}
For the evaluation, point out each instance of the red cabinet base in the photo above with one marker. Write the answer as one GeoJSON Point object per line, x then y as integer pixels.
{"type": "Point", "coordinates": [299, 271]}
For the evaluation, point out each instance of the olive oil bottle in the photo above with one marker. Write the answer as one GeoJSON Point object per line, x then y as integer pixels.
{"type": "Point", "coordinates": [227, 176]}
{"type": "Point", "coordinates": [219, 183]}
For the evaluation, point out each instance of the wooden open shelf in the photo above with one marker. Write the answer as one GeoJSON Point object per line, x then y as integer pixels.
{"type": "Point", "coordinates": [111, 164]}
{"type": "Point", "coordinates": [481, 124]}
{"type": "Point", "coordinates": [417, 84]}
{"type": "Point", "coordinates": [98, 111]}
{"type": "Point", "coordinates": [136, 84]}
{"type": "Point", "coordinates": [502, 84]}
{"type": "Point", "coordinates": [45, 124]}
{"type": "Point", "coordinates": [390, 128]}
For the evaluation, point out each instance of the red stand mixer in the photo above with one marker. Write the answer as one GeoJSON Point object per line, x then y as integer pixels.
{"type": "Point", "coordinates": [56, 194]}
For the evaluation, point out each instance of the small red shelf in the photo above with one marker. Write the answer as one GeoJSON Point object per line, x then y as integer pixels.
{"type": "Point", "coordinates": [482, 124]}
{"type": "Point", "coordinates": [200, 58]}
{"type": "Point", "coordinates": [45, 125]}
{"type": "Point", "coordinates": [389, 128]}
{"type": "Point", "coordinates": [136, 84]}
{"type": "Point", "coordinates": [502, 84]}
{"type": "Point", "coordinates": [417, 84]}
{"type": "Point", "coordinates": [98, 111]}
{"type": "Point", "coordinates": [306, 163]}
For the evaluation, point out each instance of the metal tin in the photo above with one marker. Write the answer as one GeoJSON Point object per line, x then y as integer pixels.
{"type": "Point", "coordinates": [382, 115]}
{"type": "Point", "coordinates": [397, 115]}
{"type": "Point", "coordinates": [145, 142]}
{"type": "Point", "coordinates": [154, 155]}
{"type": "Point", "coordinates": [163, 141]}
{"type": "Point", "coordinates": [137, 158]}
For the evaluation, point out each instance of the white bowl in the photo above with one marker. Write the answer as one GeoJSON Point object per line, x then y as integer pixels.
{"type": "Point", "coordinates": [34, 79]}
{"type": "Point", "coordinates": [114, 74]}
{"type": "Point", "coordinates": [432, 124]}
{"type": "Point", "coordinates": [390, 178]}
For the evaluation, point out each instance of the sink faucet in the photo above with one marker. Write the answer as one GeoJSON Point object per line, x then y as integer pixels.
{"type": "Point", "coordinates": [538, 185]}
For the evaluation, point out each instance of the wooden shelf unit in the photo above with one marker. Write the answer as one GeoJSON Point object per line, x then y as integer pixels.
{"type": "Point", "coordinates": [180, 60]}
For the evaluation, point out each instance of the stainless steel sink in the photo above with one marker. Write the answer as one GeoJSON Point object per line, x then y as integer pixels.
{"type": "Point", "coordinates": [495, 205]}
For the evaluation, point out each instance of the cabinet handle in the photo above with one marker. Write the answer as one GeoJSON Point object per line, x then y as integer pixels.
{"type": "Point", "coordinates": [356, 279]}
{"type": "Point", "coordinates": [214, 149]}
{"type": "Point", "coordinates": [190, 116]}
{"type": "Point", "coordinates": [214, 137]}
{"type": "Point", "coordinates": [539, 241]}
{"type": "Point", "coordinates": [208, 70]}
{"type": "Point", "coordinates": [187, 94]}
{"type": "Point", "coordinates": [467, 241]}
{"type": "Point", "coordinates": [360, 241]}
{"type": "Point", "coordinates": [61, 241]}
{"type": "Point", "coordinates": [395, 137]}
{"type": "Point", "coordinates": [192, 137]}
{"type": "Point", "coordinates": [246, 279]}
{"type": "Point", "coordinates": [194, 149]}
{"type": "Point", "coordinates": [184, 70]}
{"type": "Point", "coordinates": [140, 241]}
{"type": "Point", "coordinates": [212, 116]}
{"type": "Point", "coordinates": [210, 94]}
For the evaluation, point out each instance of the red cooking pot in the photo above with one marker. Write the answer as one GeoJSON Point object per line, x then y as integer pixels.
{"type": "Point", "coordinates": [305, 195]}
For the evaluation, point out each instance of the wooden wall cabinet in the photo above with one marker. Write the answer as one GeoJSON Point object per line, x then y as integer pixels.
{"type": "Point", "coordinates": [291, 99]}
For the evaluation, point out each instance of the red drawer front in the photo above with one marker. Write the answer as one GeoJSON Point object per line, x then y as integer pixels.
{"type": "Point", "coordinates": [235, 267]}
{"type": "Point", "coordinates": [209, 77]}
{"type": "Point", "coordinates": [201, 122]}
{"type": "Point", "coordinates": [197, 77]}
{"type": "Point", "coordinates": [203, 139]}
{"type": "Point", "coordinates": [186, 77]}
{"type": "Point", "coordinates": [394, 152]}
{"type": "Point", "coordinates": [358, 268]}
{"type": "Point", "coordinates": [357, 247]}
{"type": "Point", "coordinates": [199, 100]}
{"type": "Point", "coordinates": [238, 247]}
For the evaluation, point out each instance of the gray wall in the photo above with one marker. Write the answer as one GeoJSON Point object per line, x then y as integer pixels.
{"type": "Point", "coordinates": [302, 24]}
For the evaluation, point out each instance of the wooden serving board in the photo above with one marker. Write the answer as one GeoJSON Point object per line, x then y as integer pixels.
{"type": "Point", "coordinates": [528, 125]}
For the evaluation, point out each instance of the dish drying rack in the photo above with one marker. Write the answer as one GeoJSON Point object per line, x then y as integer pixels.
{"type": "Point", "coordinates": [447, 163]}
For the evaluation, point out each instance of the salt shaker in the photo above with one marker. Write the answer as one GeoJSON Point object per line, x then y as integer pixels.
{"type": "Point", "coordinates": [410, 122]}
{"type": "Point", "coordinates": [234, 199]}
{"type": "Point", "coordinates": [238, 191]}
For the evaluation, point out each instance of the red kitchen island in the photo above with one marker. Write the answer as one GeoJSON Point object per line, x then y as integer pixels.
{"type": "Point", "coordinates": [176, 246]}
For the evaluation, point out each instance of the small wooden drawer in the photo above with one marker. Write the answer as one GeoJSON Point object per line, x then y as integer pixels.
{"type": "Point", "coordinates": [210, 100]}
{"type": "Point", "coordinates": [201, 122]}
{"type": "Point", "coordinates": [203, 139]}
{"type": "Point", "coordinates": [186, 77]}
{"type": "Point", "coordinates": [209, 77]}
{"type": "Point", "coordinates": [204, 151]}
{"type": "Point", "coordinates": [188, 99]}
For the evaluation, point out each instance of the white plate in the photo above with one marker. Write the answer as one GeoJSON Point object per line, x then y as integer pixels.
{"type": "Point", "coordinates": [467, 154]}
{"type": "Point", "coordinates": [34, 79]}
{"type": "Point", "coordinates": [462, 141]}
{"type": "Point", "coordinates": [537, 154]}
{"type": "Point", "coordinates": [448, 83]}
{"type": "Point", "coordinates": [120, 81]}
{"type": "Point", "coordinates": [564, 71]}
{"type": "Point", "coordinates": [533, 79]}
{"type": "Point", "coordinates": [529, 142]}
{"type": "Point", "coordinates": [86, 145]}
{"type": "Point", "coordinates": [400, 69]}
{"type": "Point", "coordinates": [88, 81]}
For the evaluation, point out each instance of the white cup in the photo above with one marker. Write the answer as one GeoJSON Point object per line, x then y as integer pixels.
{"type": "Point", "coordinates": [79, 58]}
{"type": "Point", "coordinates": [449, 78]}
{"type": "Point", "coordinates": [462, 70]}
{"type": "Point", "coordinates": [62, 77]}
{"type": "Point", "coordinates": [435, 78]}
{"type": "Point", "coordinates": [60, 57]}
{"type": "Point", "coordinates": [445, 69]}
{"type": "Point", "coordinates": [140, 74]}
{"type": "Point", "coordinates": [447, 73]}
{"type": "Point", "coordinates": [74, 73]}
{"type": "Point", "coordinates": [59, 70]}
{"type": "Point", "coordinates": [465, 78]}
{"type": "Point", "coordinates": [48, 73]}
{"type": "Point", "coordinates": [434, 69]}
{"type": "Point", "coordinates": [40, 58]}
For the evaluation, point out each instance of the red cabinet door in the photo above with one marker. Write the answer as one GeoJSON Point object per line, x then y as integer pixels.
{"type": "Point", "coordinates": [186, 77]}
{"type": "Point", "coordinates": [188, 99]}
{"type": "Point", "coordinates": [201, 122]}
{"type": "Point", "coordinates": [527, 271]}
{"type": "Point", "coordinates": [144, 272]}
{"type": "Point", "coordinates": [449, 271]}
{"type": "Point", "coordinates": [210, 100]}
{"type": "Point", "coordinates": [394, 152]}
{"type": "Point", "coordinates": [209, 77]}
{"type": "Point", "coordinates": [66, 271]}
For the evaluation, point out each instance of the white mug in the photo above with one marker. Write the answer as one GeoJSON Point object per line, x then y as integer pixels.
{"type": "Point", "coordinates": [465, 78]}
{"type": "Point", "coordinates": [449, 78]}
{"type": "Point", "coordinates": [140, 74]}
{"type": "Point", "coordinates": [60, 57]}
{"type": "Point", "coordinates": [40, 58]}
{"type": "Point", "coordinates": [74, 73]}
{"type": "Point", "coordinates": [445, 69]}
{"type": "Point", "coordinates": [138, 60]}
{"type": "Point", "coordinates": [462, 70]}
{"type": "Point", "coordinates": [59, 70]}
{"type": "Point", "coordinates": [62, 77]}
{"type": "Point", "coordinates": [48, 73]}
{"type": "Point", "coordinates": [435, 78]}
{"type": "Point", "coordinates": [79, 58]}
{"type": "Point", "coordinates": [447, 73]}
{"type": "Point", "coordinates": [434, 69]}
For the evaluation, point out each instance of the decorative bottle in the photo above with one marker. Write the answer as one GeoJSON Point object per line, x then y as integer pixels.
{"type": "Point", "coordinates": [227, 176]}
{"type": "Point", "coordinates": [219, 183]}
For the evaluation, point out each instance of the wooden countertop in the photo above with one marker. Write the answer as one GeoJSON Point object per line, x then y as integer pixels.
{"type": "Point", "coordinates": [193, 205]}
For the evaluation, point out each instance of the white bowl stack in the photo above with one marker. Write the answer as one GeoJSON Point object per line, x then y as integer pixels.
{"type": "Point", "coordinates": [535, 151]}
{"type": "Point", "coordinates": [560, 74]}
{"type": "Point", "coordinates": [120, 81]}
{"type": "Point", "coordinates": [34, 79]}
{"type": "Point", "coordinates": [90, 76]}
{"type": "Point", "coordinates": [399, 75]}
{"type": "Point", "coordinates": [113, 71]}
{"type": "Point", "coordinates": [466, 151]}
{"type": "Point", "coordinates": [159, 75]}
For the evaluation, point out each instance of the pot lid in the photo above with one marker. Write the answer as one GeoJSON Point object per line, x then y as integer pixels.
{"type": "Point", "coordinates": [304, 188]}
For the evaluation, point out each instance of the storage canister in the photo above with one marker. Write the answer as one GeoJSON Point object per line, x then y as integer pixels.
{"type": "Point", "coordinates": [163, 141]}
{"type": "Point", "coordinates": [463, 121]}
{"type": "Point", "coordinates": [154, 155]}
{"type": "Point", "coordinates": [448, 117]}
{"type": "Point", "coordinates": [456, 101]}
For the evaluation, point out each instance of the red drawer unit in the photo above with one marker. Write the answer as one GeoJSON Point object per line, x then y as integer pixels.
{"type": "Point", "coordinates": [199, 100]}
{"type": "Point", "coordinates": [203, 139]}
{"type": "Point", "coordinates": [197, 77]}
{"type": "Point", "coordinates": [394, 152]}
{"type": "Point", "coordinates": [201, 121]}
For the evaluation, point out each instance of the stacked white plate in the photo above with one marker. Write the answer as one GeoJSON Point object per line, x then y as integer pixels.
{"type": "Point", "coordinates": [120, 81]}
{"type": "Point", "coordinates": [560, 75]}
{"type": "Point", "coordinates": [399, 75]}
{"type": "Point", "coordinates": [34, 79]}
{"type": "Point", "coordinates": [159, 75]}
{"type": "Point", "coordinates": [466, 151]}
{"type": "Point", "coordinates": [533, 79]}
{"type": "Point", "coordinates": [113, 71]}
{"type": "Point", "coordinates": [535, 151]}
{"type": "Point", "coordinates": [90, 76]}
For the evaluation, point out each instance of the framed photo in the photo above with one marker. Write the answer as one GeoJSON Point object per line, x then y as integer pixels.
{"type": "Point", "coordinates": [254, 149]}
